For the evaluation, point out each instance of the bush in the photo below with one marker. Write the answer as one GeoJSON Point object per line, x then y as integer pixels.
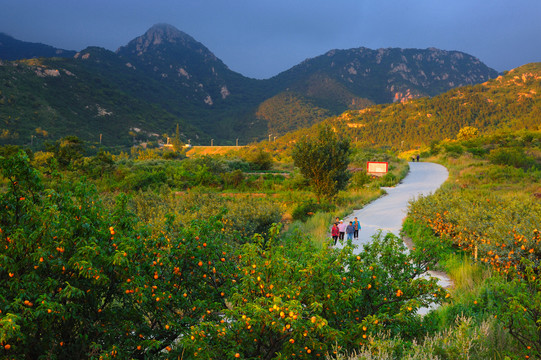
{"type": "Point", "coordinates": [359, 179]}
{"type": "Point", "coordinates": [260, 160]}
{"type": "Point", "coordinates": [453, 150]}
{"type": "Point", "coordinates": [515, 157]}
{"type": "Point", "coordinates": [389, 180]}
{"type": "Point", "coordinates": [308, 208]}
{"type": "Point", "coordinates": [233, 179]}
{"type": "Point", "coordinates": [295, 298]}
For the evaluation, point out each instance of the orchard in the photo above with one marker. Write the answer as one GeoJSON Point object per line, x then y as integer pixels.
{"type": "Point", "coordinates": [83, 279]}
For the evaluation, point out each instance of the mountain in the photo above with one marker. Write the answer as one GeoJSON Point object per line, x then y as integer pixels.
{"type": "Point", "coordinates": [196, 78]}
{"type": "Point", "coordinates": [511, 101]}
{"type": "Point", "coordinates": [166, 53]}
{"type": "Point", "coordinates": [387, 75]}
{"type": "Point", "coordinates": [358, 78]}
{"type": "Point", "coordinates": [165, 77]}
{"type": "Point", "coordinates": [13, 49]}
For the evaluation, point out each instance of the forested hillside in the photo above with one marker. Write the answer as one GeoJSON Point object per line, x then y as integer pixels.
{"type": "Point", "coordinates": [511, 101]}
{"type": "Point", "coordinates": [165, 77]}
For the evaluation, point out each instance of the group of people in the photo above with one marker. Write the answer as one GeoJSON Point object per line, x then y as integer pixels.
{"type": "Point", "coordinates": [340, 230]}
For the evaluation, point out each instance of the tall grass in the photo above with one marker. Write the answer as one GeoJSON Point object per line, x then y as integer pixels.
{"type": "Point", "coordinates": [466, 274]}
{"type": "Point", "coordinates": [466, 339]}
{"type": "Point", "coordinates": [317, 227]}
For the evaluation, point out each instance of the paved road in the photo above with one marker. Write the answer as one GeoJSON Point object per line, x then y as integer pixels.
{"type": "Point", "coordinates": [388, 212]}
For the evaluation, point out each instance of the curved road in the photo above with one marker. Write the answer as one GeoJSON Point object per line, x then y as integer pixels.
{"type": "Point", "coordinates": [388, 212]}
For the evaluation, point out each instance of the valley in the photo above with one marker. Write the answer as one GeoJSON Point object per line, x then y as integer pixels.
{"type": "Point", "coordinates": [119, 241]}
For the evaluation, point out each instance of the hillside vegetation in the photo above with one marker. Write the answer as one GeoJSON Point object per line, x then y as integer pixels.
{"type": "Point", "coordinates": [152, 254]}
{"type": "Point", "coordinates": [484, 227]}
{"type": "Point", "coordinates": [165, 77]}
{"type": "Point", "coordinates": [511, 101]}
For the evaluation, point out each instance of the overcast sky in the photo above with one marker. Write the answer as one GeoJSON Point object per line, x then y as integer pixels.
{"type": "Point", "coordinates": [261, 38]}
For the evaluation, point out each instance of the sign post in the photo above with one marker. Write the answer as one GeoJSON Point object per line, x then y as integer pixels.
{"type": "Point", "coordinates": [377, 168]}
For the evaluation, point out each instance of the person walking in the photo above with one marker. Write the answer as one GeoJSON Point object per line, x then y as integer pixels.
{"type": "Point", "coordinates": [350, 229]}
{"type": "Point", "coordinates": [335, 232]}
{"type": "Point", "coordinates": [357, 227]}
{"type": "Point", "coordinates": [342, 229]}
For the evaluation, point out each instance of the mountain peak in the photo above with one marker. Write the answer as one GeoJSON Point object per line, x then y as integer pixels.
{"type": "Point", "coordinates": [161, 34]}
{"type": "Point", "coordinates": [166, 33]}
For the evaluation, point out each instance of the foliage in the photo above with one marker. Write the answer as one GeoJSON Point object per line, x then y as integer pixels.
{"type": "Point", "coordinates": [79, 281]}
{"type": "Point", "coordinates": [308, 208]}
{"type": "Point", "coordinates": [499, 231]}
{"type": "Point", "coordinates": [260, 160]}
{"type": "Point", "coordinates": [512, 101]}
{"type": "Point", "coordinates": [467, 133]}
{"type": "Point", "coordinates": [489, 214]}
{"type": "Point", "coordinates": [518, 303]}
{"type": "Point", "coordinates": [67, 151]}
{"type": "Point", "coordinates": [515, 157]}
{"type": "Point", "coordinates": [295, 300]}
{"type": "Point", "coordinates": [464, 340]}
{"type": "Point", "coordinates": [324, 160]}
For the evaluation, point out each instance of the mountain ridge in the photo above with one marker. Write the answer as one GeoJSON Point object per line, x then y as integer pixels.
{"type": "Point", "coordinates": [13, 49]}
{"type": "Point", "coordinates": [168, 69]}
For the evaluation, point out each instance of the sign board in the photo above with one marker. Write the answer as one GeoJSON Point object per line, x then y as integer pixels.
{"type": "Point", "coordinates": [377, 168]}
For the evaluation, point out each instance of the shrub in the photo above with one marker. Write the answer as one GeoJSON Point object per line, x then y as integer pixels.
{"type": "Point", "coordinates": [453, 150]}
{"type": "Point", "coordinates": [389, 180]}
{"type": "Point", "coordinates": [260, 160]}
{"type": "Point", "coordinates": [359, 179]}
{"type": "Point", "coordinates": [295, 299]}
{"type": "Point", "coordinates": [233, 179]}
{"type": "Point", "coordinates": [515, 157]}
{"type": "Point", "coordinates": [308, 208]}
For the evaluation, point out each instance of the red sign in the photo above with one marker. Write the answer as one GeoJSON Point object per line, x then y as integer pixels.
{"type": "Point", "coordinates": [377, 168]}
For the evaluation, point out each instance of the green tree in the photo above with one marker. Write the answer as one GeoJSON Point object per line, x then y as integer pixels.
{"type": "Point", "coordinates": [67, 150]}
{"type": "Point", "coordinates": [260, 160]}
{"type": "Point", "coordinates": [324, 161]}
{"type": "Point", "coordinates": [177, 144]}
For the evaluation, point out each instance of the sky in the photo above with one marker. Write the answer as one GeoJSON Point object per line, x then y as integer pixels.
{"type": "Point", "coordinates": [261, 38]}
